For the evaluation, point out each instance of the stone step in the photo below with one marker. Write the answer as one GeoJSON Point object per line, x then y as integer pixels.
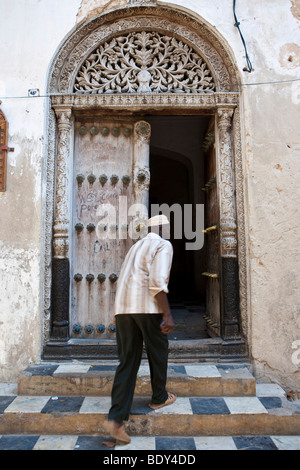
{"type": "Point", "coordinates": [263, 414]}
{"type": "Point", "coordinates": [85, 379]}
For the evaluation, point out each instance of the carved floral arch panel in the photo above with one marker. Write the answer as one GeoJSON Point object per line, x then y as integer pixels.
{"type": "Point", "coordinates": [144, 62]}
{"type": "Point", "coordinates": [148, 37]}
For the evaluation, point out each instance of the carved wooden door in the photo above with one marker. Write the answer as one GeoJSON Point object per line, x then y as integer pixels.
{"type": "Point", "coordinates": [110, 200]}
{"type": "Point", "coordinates": [211, 231]}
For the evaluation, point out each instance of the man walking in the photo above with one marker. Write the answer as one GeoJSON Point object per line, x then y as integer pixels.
{"type": "Point", "coordinates": [142, 314]}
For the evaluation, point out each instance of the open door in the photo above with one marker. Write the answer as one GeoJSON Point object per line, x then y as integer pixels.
{"type": "Point", "coordinates": [177, 176]}
{"type": "Point", "coordinates": [110, 202]}
{"type": "Point", "coordinates": [211, 231]}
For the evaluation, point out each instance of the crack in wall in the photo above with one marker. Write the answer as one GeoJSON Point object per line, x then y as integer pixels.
{"type": "Point", "coordinates": [92, 8]}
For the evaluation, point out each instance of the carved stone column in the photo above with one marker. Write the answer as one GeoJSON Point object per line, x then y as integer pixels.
{"type": "Point", "coordinates": [60, 260]}
{"type": "Point", "coordinates": [228, 229]}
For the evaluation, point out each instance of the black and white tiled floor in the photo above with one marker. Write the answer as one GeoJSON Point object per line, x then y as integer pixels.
{"type": "Point", "coordinates": [193, 370]}
{"type": "Point", "coordinates": [30, 442]}
{"type": "Point", "coordinates": [183, 405]}
{"type": "Point", "coordinates": [101, 405]}
{"type": "Point", "coordinates": [268, 397]}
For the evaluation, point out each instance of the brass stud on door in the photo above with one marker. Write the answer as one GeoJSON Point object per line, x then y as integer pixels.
{"type": "Point", "coordinates": [78, 277]}
{"type": "Point", "coordinates": [94, 130]}
{"type": "Point", "coordinates": [100, 328]}
{"type": "Point", "coordinates": [113, 278]}
{"type": "Point", "coordinates": [77, 329]}
{"type": "Point", "coordinates": [101, 278]}
{"type": "Point", "coordinates": [127, 132]}
{"type": "Point", "coordinates": [103, 179]}
{"type": "Point", "coordinates": [101, 228]}
{"type": "Point", "coordinates": [114, 228]}
{"type": "Point", "coordinates": [90, 227]}
{"type": "Point", "coordinates": [126, 180]}
{"type": "Point", "coordinates": [90, 277]}
{"type": "Point", "coordinates": [91, 179]}
{"type": "Point", "coordinates": [79, 228]}
{"type": "Point", "coordinates": [124, 228]}
{"type": "Point", "coordinates": [114, 179]}
{"type": "Point", "coordinates": [82, 130]}
{"type": "Point", "coordinates": [141, 177]}
{"type": "Point", "coordinates": [80, 179]}
{"type": "Point", "coordinates": [105, 131]}
{"type": "Point", "coordinates": [116, 131]}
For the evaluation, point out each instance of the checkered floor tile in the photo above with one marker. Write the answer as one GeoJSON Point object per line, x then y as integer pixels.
{"type": "Point", "coordinates": [101, 405]}
{"type": "Point", "coordinates": [29, 442]}
{"type": "Point", "coordinates": [192, 370]}
{"type": "Point", "coordinates": [269, 398]}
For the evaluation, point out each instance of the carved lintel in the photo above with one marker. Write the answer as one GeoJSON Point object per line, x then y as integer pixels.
{"type": "Point", "coordinates": [146, 100]}
{"type": "Point", "coordinates": [62, 201]}
{"type": "Point", "coordinates": [228, 226]}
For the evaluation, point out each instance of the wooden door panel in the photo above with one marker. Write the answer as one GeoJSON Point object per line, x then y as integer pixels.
{"type": "Point", "coordinates": [103, 162]}
{"type": "Point", "coordinates": [212, 273]}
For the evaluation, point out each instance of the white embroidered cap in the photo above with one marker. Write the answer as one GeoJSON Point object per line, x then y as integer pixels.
{"type": "Point", "coordinates": [158, 220]}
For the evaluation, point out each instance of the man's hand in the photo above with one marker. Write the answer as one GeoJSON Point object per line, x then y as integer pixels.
{"type": "Point", "coordinates": [167, 325]}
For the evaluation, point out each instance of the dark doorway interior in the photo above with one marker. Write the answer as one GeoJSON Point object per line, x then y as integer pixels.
{"type": "Point", "coordinates": [177, 177]}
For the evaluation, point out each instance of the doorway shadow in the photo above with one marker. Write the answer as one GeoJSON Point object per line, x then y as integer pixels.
{"type": "Point", "coordinates": [177, 176]}
{"type": "Point", "coordinates": [189, 320]}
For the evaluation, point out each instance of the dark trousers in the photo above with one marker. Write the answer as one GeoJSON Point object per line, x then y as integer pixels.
{"type": "Point", "coordinates": [131, 331]}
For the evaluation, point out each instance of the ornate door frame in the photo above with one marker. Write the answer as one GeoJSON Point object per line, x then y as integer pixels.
{"type": "Point", "coordinates": [192, 34]}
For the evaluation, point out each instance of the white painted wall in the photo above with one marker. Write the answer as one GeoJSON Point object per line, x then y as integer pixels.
{"type": "Point", "coordinates": [29, 35]}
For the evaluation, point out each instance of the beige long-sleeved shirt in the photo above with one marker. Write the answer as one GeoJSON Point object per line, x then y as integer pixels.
{"type": "Point", "coordinates": [144, 273]}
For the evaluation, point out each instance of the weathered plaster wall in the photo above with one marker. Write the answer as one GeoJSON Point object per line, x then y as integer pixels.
{"type": "Point", "coordinates": [33, 32]}
{"type": "Point", "coordinates": [273, 148]}
{"type": "Point", "coordinates": [30, 33]}
{"type": "Point", "coordinates": [92, 8]}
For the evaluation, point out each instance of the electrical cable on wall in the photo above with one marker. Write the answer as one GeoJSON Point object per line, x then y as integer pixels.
{"type": "Point", "coordinates": [249, 67]}
{"type": "Point", "coordinates": [272, 82]}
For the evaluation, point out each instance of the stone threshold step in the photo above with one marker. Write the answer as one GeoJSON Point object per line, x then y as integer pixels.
{"type": "Point", "coordinates": [144, 443]}
{"type": "Point", "coordinates": [97, 379]}
{"type": "Point", "coordinates": [187, 416]}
